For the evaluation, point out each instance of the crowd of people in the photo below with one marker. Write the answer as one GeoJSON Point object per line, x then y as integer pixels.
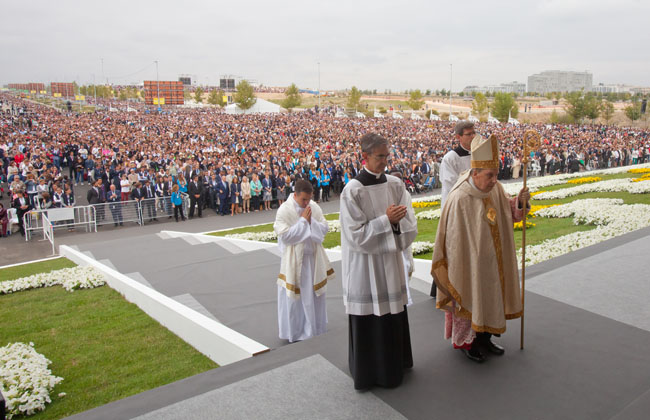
{"type": "Point", "coordinates": [236, 164]}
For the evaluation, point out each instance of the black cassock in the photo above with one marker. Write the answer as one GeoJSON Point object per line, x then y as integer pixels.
{"type": "Point", "coordinates": [379, 346]}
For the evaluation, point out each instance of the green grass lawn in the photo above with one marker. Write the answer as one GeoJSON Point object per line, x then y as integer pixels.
{"type": "Point", "coordinates": [545, 228]}
{"type": "Point", "coordinates": [104, 347]}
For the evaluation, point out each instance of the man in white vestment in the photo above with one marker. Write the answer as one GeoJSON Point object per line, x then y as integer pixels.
{"type": "Point", "coordinates": [458, 160]}
{"type": "Point", "coordinates": [305, 268]}
{"type": "Point", "coordinates": [377, 225]}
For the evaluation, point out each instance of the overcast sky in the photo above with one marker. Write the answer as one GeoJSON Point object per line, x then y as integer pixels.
{"type": "Point", "coordinates": [374, 45]}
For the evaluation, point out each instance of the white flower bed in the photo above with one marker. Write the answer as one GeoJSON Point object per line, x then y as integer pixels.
{"type": "Point", "coordinates": [70, 278]}
{"type": "Point", "coordinates": [25, 380]}
{"type": "Point", "coordinates": [436, 197]}
{"type": "Point", "coordinates": [429, 214]}
{"type": "Point", "coordinates": [334, 225]}
{"type": "Point", "coordinates": [254, 236]}
{"type": "Point", "coordinates": [422, 247]}
{"type": "Point", "coordinates": [611, 217]}
{"type": "Point", "coordinates": [612, 185]}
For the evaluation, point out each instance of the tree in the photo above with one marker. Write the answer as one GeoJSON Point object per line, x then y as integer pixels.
{"type": "Point", "coordinates": [428, 92]}
{"type": "Point", "coordinates": [633, 111]}
{"type": "Point", "coordinates": [607, 111]}
{"type": "Point", "coordinates": [575, 106]}
{"type": "Point", "coordinates": [416, 101]}
{"type": "Point", "coordinates": [480, 106]}
{"type": "Point", "coordinates": [292, 97]}
{"type": "Point", "coordinates": [354, 98]}
{"type": "Point", "coordinates": [504, 106]}
{"type": "Point", "coordinates": [244, 96]}
{"type": "Point", "coordinates": [216, 98]}
{"type": "Point", "coordinates": [187, 95]}
{"type": "Point", "coordinates": [592, 107]}
{"type": "Point", "coordinates": [443, 92]}
{"type": "Point", "coordinates": [122, 96]}
{"type": "Point", "coordinates": [198, 95]}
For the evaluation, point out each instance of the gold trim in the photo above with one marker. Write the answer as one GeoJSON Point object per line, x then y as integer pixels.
{"type": "Point", "coordinates": [496, 240]}
{"type": "Point", "coordinates": [289, 287]}
{"type": "Point", "coordinates": [489, 164]}
{"type": "Point", "coordinates": [330, 271]}
{"type": "Point", "coordinates": [320, 285]}
{"type": "Point", "coordinates": [282, 277]}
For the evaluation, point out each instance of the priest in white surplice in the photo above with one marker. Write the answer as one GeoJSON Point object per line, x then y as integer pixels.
{"type": "Point", "coordinates": [377, 225]}
{"type": "Point", "coordinates": [305, 268]}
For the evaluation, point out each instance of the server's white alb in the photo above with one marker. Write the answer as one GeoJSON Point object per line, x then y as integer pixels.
{"type": "Point", "coordinates": [305, 270]}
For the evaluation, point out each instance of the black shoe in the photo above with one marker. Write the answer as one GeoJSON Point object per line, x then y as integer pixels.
{"type": "Point", "coordinates": [121, 224]}
{"type": "Point", "coordinates": [494, 348]}
{"type": "Point", "coordinates": [155, 220]}
{"type": "Point", "coordinates": [115, 224]}
{"type": "Point", "coordinates": [474, 354]}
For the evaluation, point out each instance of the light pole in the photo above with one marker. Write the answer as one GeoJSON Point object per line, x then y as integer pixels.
{"type": "Point", "coordinates": [157, 85]}
{"type": "Point", "coordinates": [95, 88]}
{"type": "Point", "coordinates": [450, 76]}
{"type": "Point", "coordinates": [319, 86]}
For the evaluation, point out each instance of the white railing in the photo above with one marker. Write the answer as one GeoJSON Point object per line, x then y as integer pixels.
{"type": "Point", "coordinates": [48, 232]}
{"type": "Point", "coordinates": [63, 217]}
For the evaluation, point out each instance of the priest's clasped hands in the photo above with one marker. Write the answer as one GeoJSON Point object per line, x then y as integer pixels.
{"type": "Point", "coordinates": [395, 213]}
{"type": "Point", "coordinates": [306, 213]}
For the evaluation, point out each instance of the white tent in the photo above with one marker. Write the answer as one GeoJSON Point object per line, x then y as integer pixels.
{"type": "Point", "coordinates": [452, 117]}
{"type": "Point", "coordinates": [360, 115]}
{"type": "Point", "coordinates": [472, 119]}
{"type": "Point", "coordinates": [492, 120]}
{"type": "Point", "coordinates": [261, 107]}
{"type": "Point", "coordinates": [397, 116]}
{"type": "Point", "coordinates": [415, 116]}
{"type": "Point", "coordinates": [378, 115]}
{"type": "Point", "coordinates": [513, 121]}
{"type": "Point", "coordinates": [434, 117]}
{"type": "Point", "coordinates": [340, 114]}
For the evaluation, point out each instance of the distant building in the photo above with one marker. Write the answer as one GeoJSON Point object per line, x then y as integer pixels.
{"type": "Point", "coordinates": [512, 87]}
{"type": "Point", "coordinates": [560, 81]}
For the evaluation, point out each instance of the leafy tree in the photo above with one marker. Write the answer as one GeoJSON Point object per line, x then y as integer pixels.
{"type": "Point", "coordinates": [443, 92]}
{"type": "Point", "coordinates": [244, 96]}
{"type": "Point", "coordinates": [504, 105]}
{"type": "Point", "coordinates": [480, 106]}
{"type": "Point", "coordinates": [428, 92]}
{"type": "Point", "coordinates": [354, 98]}
{"type": "Point", "coordinates": [415, 101]}
{"type": "Point", "coordinates": [607, 111]}
{"type": "Point", "coordinates": [592, 107]}
{"type": "Point", "coordinates": [187, 95]}
{"type": "Point", "coordinates": [216, 98]}
{"type": "Point", "coordinates": [461, 93]}
{"type": "Point", "coordinates": [122, 96]}
{"type": "Point", "coordinates": [633, 111]}
{"type": "Point", "coordinates": [292, 97]}
{"type": "Point", "coordinates": [575, 106]}
{"type": "Point", "coordinates": [198, 95]}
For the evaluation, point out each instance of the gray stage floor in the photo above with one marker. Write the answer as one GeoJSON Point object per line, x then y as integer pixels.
{"type": "Point", "coordinates": [584, 357]}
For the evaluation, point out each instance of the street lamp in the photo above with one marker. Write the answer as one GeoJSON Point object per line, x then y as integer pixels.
{"type": "Point", "coordinates": [157, 85]}
{"type": "Point", "coordinates": [319, 86]}
{"type": "Point", "coordinates": [450, 76]}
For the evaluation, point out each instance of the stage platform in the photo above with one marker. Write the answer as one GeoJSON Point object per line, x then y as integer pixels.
{"type": "Point", "coordinates": [587, 335]}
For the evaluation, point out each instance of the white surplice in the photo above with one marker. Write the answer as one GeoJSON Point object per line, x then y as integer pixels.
{"type": "Point", "coordinates": [451, 167]}
{"type": "Point", "coordinates": [374, 280]}
{"type": "Point", "coordinates": [305, 317]}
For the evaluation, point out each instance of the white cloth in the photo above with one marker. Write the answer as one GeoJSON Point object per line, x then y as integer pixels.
{"type": "Point", "coordinates": [450, 169]}
{"type": "Point", "coordinates": [304, 315]}
{"type": "Point", "coordinates": [288, 215]}
{"type": "Point", "coordinates": [373, 273]}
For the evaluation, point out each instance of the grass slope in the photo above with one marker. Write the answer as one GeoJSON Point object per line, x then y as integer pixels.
{"type": "Point", "coordinates": [104, 347]}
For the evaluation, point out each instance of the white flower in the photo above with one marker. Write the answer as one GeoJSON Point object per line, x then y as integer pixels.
{"type": "Point", "coordinates": [429, 214]}
{"type": "Point", "coordinates": [334, 225]}
{"type": "Point", "coordinates": [70, 278]}
{"type": "Point", "coordinates": [436, 197]}
{"type": "Point", "coordinates": [612, 185]}
{"type": "Point", "coordinates": [421, 247]}
{"type": "Point", "coordinates": [610, 216]}
{"type": "Point", "coordinates": [25, 380]}
{"type": "Point", "coordinates": [254, 236]}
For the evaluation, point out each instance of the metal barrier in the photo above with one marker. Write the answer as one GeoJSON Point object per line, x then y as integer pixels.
{"type": "Point", "coordinates": [64, 217]}
{"type": "Point", "coordinates": [119, 212]}
{"type": "Point", "coordinates": [48, 231]}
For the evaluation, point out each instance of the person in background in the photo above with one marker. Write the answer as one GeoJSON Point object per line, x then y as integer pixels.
{"type": "Point", "coordinates": [246, 195]}
{"type": "Point", "coordinates": [177, 202]}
